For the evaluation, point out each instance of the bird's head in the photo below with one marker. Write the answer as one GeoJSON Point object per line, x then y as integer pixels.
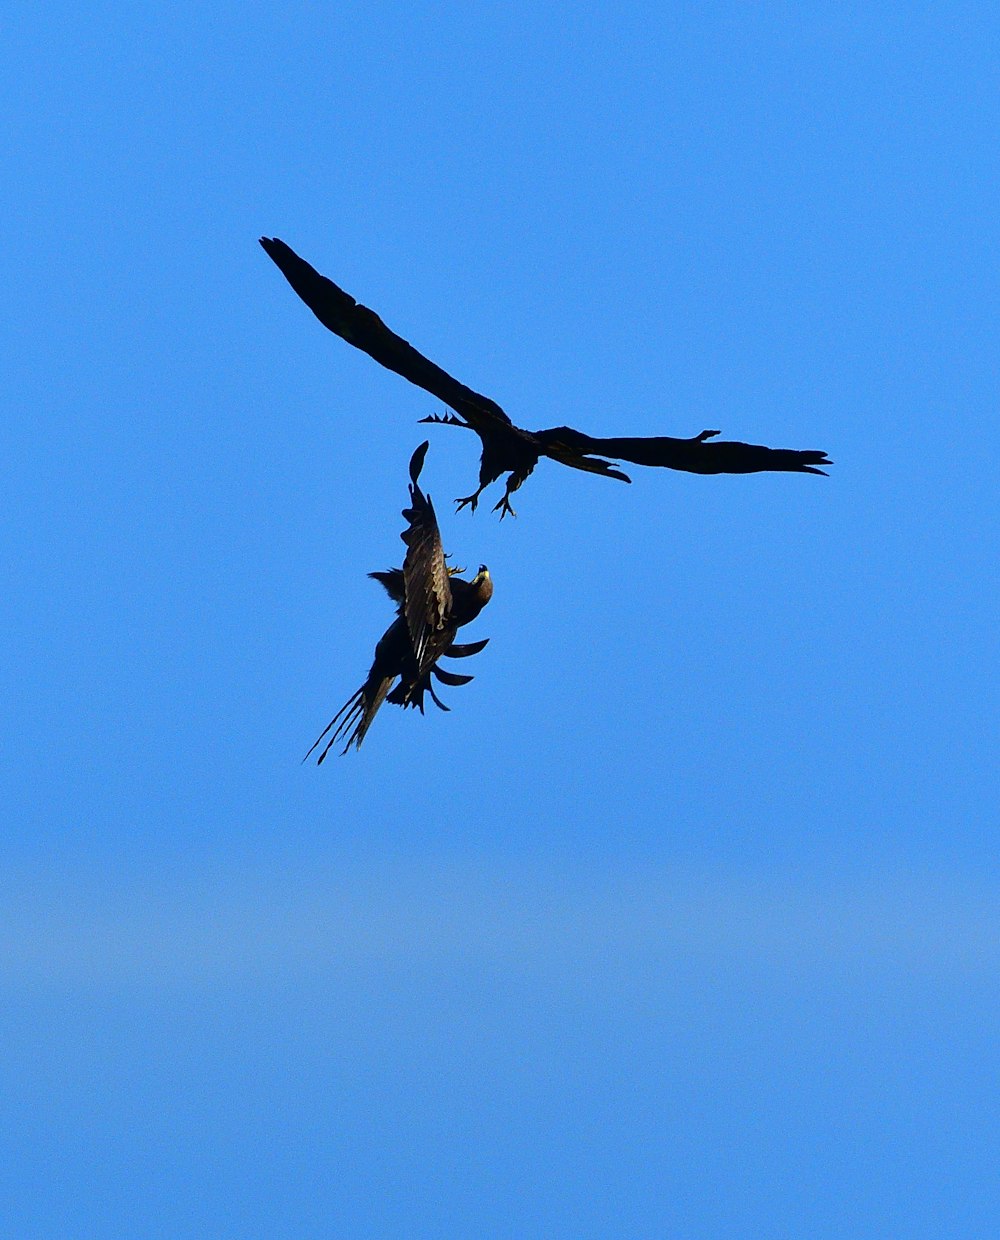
{"type": "Point", "coordinates": [482, 585]}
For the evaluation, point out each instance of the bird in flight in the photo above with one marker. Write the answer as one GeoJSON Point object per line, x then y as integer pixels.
{"type": "Point", "coordinates": [433, 603]}
{"type": "Point", "coordinates": [508, 449]}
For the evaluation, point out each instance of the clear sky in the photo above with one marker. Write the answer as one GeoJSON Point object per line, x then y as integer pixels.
{"type": "Point", "coordinates": [685, 921]}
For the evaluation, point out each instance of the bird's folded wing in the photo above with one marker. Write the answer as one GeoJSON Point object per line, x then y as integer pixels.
{"type": "Point", "coordinates": [427, 593]}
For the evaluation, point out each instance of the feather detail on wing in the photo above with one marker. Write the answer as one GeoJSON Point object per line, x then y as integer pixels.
{"type": "Point", "coordinates": [428, 599]}
{"type": "Point", "coordinates": [464, 650]}
{"type": "Point", "coordinates": [449, 678]}
{"type": "Point", "coordinates": [362, 328]}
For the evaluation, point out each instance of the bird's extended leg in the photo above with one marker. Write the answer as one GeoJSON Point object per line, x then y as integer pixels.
{"type": "Point", "coordinates": [488, 473]}
{"type": "Point", "coordinates": [503, 505]}
{"type": "Point", "coordinates": [471, 501]}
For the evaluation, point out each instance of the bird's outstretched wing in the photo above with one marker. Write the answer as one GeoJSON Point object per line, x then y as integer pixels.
{"type": "Point", "coordinates": [427, 592]}
{"type": "Point", "coordinates": [702, 454]}
{"type": "Point", "coordinates": [363, 328]}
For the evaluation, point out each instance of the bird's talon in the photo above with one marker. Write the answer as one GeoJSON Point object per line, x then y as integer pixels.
{"type": "Point", "coordinates": [472, 501]}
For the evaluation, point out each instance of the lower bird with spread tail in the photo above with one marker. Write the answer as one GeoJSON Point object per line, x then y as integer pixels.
{"type": "Point", "coordinates": [509, 449]}
{"type": "Point", "coordinates": [433, 603]}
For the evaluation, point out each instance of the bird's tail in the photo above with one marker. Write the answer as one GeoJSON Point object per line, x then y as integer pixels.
{"type": "Point", "coordinates": [354, 718]}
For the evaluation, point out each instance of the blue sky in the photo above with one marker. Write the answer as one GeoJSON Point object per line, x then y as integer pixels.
{"type": "Point", "coordinates": [685, 920]}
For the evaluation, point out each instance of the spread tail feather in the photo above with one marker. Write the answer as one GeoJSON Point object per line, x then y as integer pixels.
{"type": "Point", "coordinates": [354, 718]}
{"type": "Point", "coordinates": [464, 650]}
{"type": "Point", "coordinates": [449, 678]}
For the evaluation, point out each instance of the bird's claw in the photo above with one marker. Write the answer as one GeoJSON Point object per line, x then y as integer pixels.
{"type": "Point", "coordinates": [471, 500]}
{"type": "Point", "coordinates": [503, 507]}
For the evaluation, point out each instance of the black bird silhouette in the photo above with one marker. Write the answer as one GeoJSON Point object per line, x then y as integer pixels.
{"type": "Point", "coordinates": [433, 604]}
{"type": "Point", "coordinates": [506, 447]}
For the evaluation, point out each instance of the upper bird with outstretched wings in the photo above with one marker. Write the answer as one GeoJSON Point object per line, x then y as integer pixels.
{"type": "Point", "coordinates": [433, 603]}
{"type": "Point", "coordinates": [508, 448]}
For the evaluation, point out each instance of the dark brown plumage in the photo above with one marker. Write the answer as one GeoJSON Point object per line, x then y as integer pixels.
{"type": "Point", "coordinates": [433, 603]}
{"type": "Point", "coordinates": [507, 448]}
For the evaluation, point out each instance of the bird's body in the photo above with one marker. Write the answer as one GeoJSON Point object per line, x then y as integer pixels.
{"type": "Point", "coordinates": [433, 603]}
{"type": "Point", "coordinates": [509, 449]}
